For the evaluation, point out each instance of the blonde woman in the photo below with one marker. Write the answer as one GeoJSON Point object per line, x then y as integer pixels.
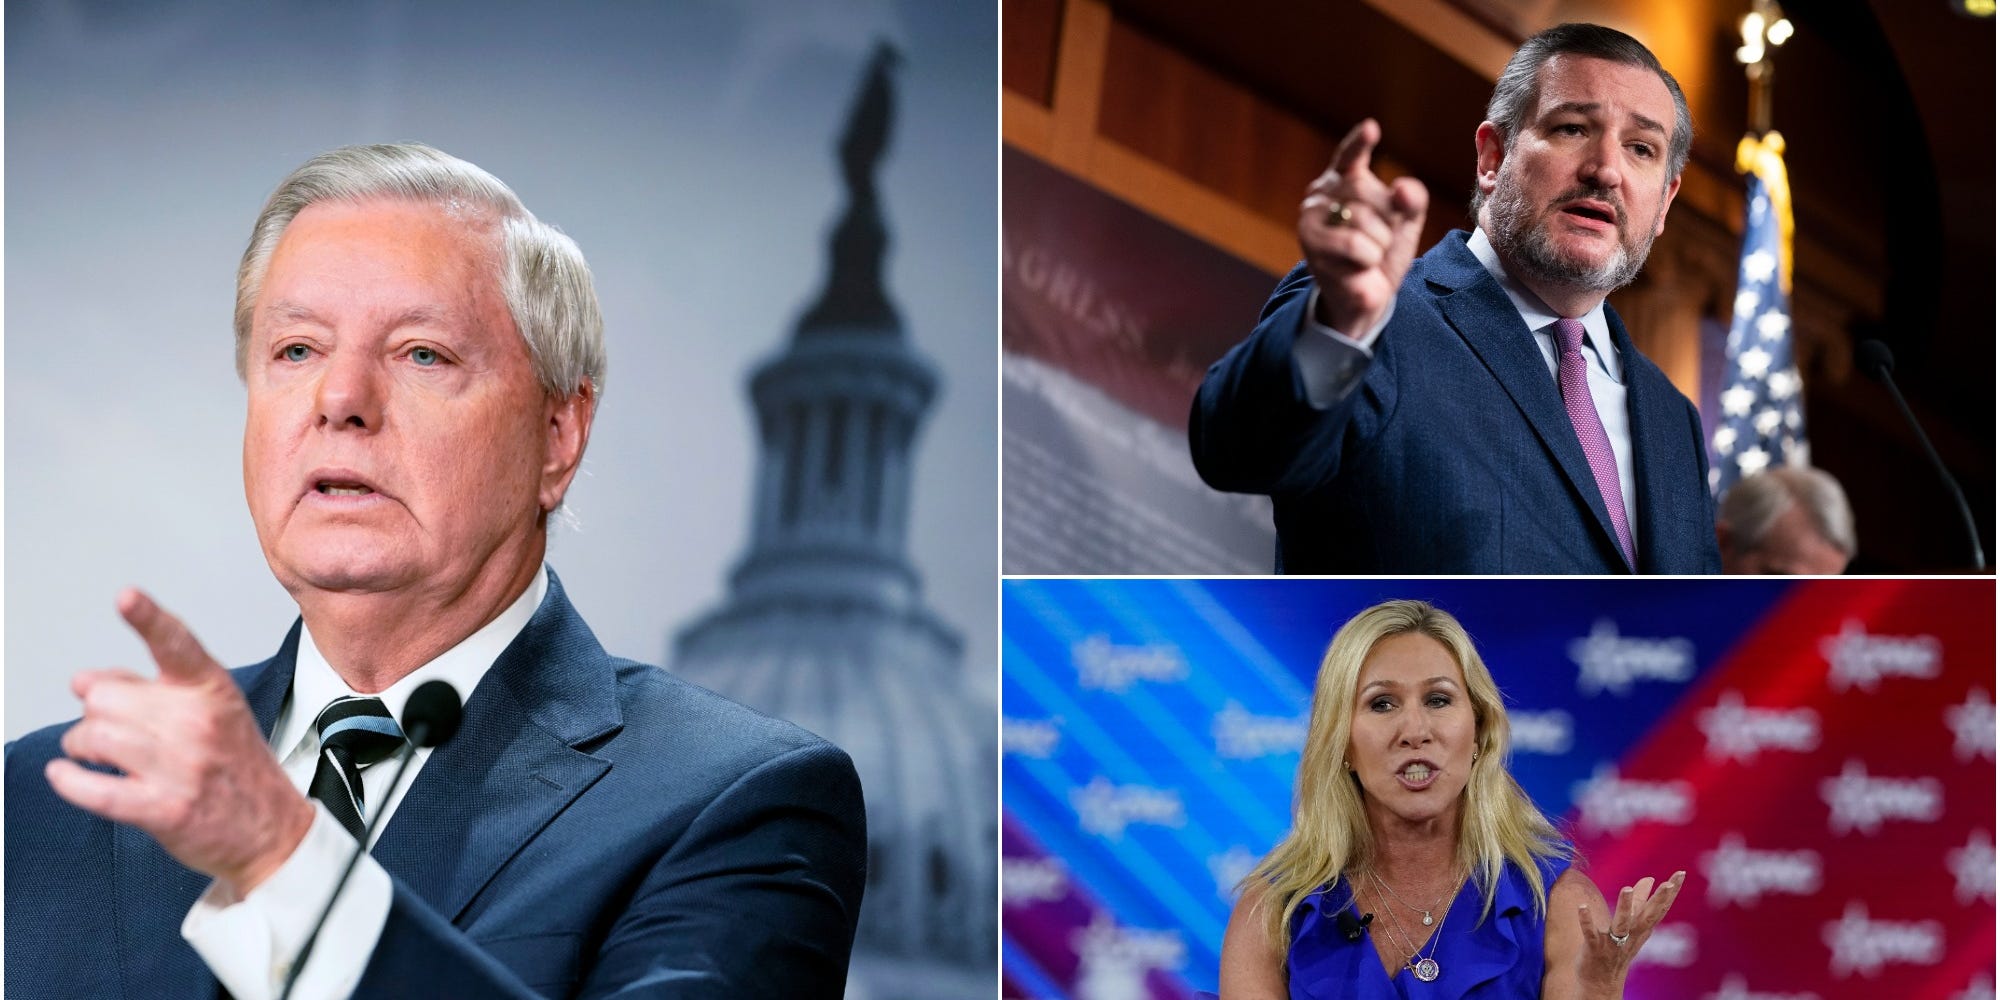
{"type": "Point", "coordinates": [1417, 869]}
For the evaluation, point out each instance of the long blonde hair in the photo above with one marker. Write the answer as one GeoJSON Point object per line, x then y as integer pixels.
{"type": "Point", "coordinates": [1497, 822]}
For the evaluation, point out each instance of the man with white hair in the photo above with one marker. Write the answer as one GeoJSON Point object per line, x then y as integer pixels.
{"type": "Point", "coordinates": [1793, 520]}
{"type": "Point", "coordinates": [423, 360]}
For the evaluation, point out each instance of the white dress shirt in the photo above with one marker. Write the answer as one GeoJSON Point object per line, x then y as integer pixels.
{"type": "Point", "coordinates": [1332, 363]}
{"type": "Point", "coordinates": [250, 943]}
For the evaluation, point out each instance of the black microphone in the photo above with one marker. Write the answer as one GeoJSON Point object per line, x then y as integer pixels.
{"type": "Point", "coordinates": [1874, 358]}
{"type": "Point", "coordinates": [430, 717]}
{"type": "Point", "coordinates": [1349, 926]}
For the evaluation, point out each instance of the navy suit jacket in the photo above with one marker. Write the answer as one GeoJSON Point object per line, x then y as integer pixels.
{"type": "Point", "coordinates": [597, 828]}
{"type": "Point", "coordinates": [1454, 454]}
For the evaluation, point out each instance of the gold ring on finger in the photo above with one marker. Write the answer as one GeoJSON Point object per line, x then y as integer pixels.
{"type": "Point", "coordinates": [1338, 214]}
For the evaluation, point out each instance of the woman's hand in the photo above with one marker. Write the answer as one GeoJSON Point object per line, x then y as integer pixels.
{"type": "Point", "coordinates": [1608, 951]}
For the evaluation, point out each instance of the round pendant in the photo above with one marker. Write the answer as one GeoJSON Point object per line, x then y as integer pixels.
{"type": "Point", "coordinates": [1427, 918]}
{"type": "Point", "coordinates": [1426, 970]}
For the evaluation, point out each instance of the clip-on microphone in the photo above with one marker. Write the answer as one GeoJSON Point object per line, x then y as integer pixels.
{"type": "Point", "coordinates": [1349, 926]}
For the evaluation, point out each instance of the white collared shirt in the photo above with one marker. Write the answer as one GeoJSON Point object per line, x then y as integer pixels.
{"type": "Point", "coordinates": [1332, 363]}
{"type": "Point", "coordinates": [249, 943]}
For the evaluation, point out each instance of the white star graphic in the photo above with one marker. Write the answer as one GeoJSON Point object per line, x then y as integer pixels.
{"type": "Point", "coordinates": [1773, 324]}
{"type": "Point", "coordinates": [1971, 724]}
{"type": "Point", "coordinates": [1981, 988]}
{"type": "Point", "coordinates": [1972, 868]}
{"type": "Point", "coordinates": [1758, 266]}
{"type": "Point", "coordinates": [1794, 421]}
{"type": "Point", "coordinates": [1783, 383]}
{"type": "Point", "coordinates": [1758, 206]}
{"type": "Point", "coordinates": [1767, 421]}
{"type": "Point", "coordinates": [1746, 303]}
{"type": "Point", "coordinates": [1737, 400]}
{"type": "Point", "coordinates": [1753, 461]}
{"type": "Point", "coordinates": [1725, 439]}
{"type": "Point", "coordinates": [1755, 362]}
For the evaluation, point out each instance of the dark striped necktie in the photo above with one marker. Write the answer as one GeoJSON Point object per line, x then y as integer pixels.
{"type": "Point", "coordinates": [354, 735]}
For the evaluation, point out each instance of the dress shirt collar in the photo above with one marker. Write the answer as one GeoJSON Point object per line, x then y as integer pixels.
{"type": "Point", "coordinates": [314, 682]}
{"type": "Point", "coordinates": [1539, 316]}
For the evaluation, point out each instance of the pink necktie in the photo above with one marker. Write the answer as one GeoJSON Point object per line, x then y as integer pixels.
{"type": "Point", "coordinates": [1590, 434]}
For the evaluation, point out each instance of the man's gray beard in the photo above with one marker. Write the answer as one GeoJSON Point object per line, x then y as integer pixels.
{"type": "Point", "coordinates": [1527, 246]}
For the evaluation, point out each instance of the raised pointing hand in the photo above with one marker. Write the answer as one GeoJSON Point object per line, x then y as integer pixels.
{"type": "Point", "coordinates": [197, 773]}
{"type": "Point", "coordinates": [1359, 234]}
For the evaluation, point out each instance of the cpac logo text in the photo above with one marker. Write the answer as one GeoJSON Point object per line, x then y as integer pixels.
{"type": "Point", "coordinates": [1239, 734]}
{"type": "Point", "coordinates": [1106, 809]}
{"type": "Point", "coordinates": [1856, 801]}
{"type": "Point", "coordinates": [1103, 666]}
{"type": "Point", "coordinates": [1030, 737]}
{"type": "Point", "coordinates": [1550, 732]}
{"type": "Point", "coordinates": [1672, 945]}
{"type": "Point", "coordinates": [1229, 869]}
{"type": "Point", "coordinates": [1737, 874]}
{"type": "Point", "coordinates": [1737, 731]}
{"type": "Point", "coordinates": [1734, 988]}
{"type": "Point", "coordinates": [1861, 945]}
{"type": "Point", "coordinates": [1856, 659]}
{"type": "Point", "coordinates": [1609, 804]}
{"type": "Point", "coordinates": [1113, 961]}
{"type": "Point", "coordinates": [1607, 661]}
{"type": "Point", "coordinates": [1032, 880]}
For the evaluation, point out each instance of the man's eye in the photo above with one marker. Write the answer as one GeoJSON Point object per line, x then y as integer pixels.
{"type": "Point", "coordinates": [1643, 150]}
{"type": "Point", "coordinates": [297, 352]}
{"type": "Point", "coordinates": [424, 356]}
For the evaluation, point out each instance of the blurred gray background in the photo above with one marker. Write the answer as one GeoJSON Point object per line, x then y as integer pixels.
{"type": "Point", "coordinates": [688, 148]}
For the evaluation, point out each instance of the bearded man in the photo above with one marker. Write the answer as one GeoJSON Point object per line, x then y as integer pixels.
{"type": "Point", "coordinates": [1478, 409]}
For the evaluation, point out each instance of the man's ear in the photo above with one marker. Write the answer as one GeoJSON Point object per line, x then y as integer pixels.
{"type": "Point", "coordinates": [1491, 146]}
{"type": "Point", "coordinates": [569, 420]}
{"type": "Point", "coordinates": [1673, 188]}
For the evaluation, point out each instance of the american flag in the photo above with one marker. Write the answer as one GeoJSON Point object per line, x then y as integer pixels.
{"type": "Point", "coordinates": [1762, 422]}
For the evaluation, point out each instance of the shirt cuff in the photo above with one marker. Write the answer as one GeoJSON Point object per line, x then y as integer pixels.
{"type": "Point", "coordinates": [1332, 363]}
{"type": "Point", "coordinates": [250, 943]}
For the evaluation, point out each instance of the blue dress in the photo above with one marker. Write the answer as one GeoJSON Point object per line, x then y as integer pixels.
{"type": "Point", "coordinates": [1498, 959]}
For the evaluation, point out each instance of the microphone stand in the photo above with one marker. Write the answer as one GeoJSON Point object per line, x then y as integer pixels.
{"type": "Point", "coordinates": [430, 718]}
{"type": "Point", "coordinates": [312, 938]}
{"type": "Point", "coordinates": [1877, 361]}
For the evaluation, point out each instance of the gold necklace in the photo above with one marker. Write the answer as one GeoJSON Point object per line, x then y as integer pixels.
{"type": "Point", "coordinates": [1453, 891]}
{"type": "Point", "coordinates": [1424, 967]}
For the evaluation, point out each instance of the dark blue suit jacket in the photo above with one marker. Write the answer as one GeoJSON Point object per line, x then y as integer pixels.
{"type": "Point", "coordinates": [1454, 454]}
{"type": "Point", "coordinates": [597, 828]}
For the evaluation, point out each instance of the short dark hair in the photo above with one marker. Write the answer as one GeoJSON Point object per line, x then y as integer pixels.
{"type": "Point", "coordinates": [1515, 93]}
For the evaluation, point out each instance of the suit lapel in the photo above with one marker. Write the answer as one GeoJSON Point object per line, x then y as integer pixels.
{"type": "Point", "coordinates": [155, 892]}
{"type": "Point", "coordinates": [513, 766]}
{"type": "Point", "coordinates": [1476, 306]}
{"type": "Point", "coordinates": [1654, 438]}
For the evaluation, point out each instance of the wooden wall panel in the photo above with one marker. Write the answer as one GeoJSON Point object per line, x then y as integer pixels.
{"type": "Point", "coordinates": [1028, 33]}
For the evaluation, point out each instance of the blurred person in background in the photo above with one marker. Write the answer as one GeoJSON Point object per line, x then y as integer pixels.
{"type": "Point", "coordinates": [1787, 521]}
